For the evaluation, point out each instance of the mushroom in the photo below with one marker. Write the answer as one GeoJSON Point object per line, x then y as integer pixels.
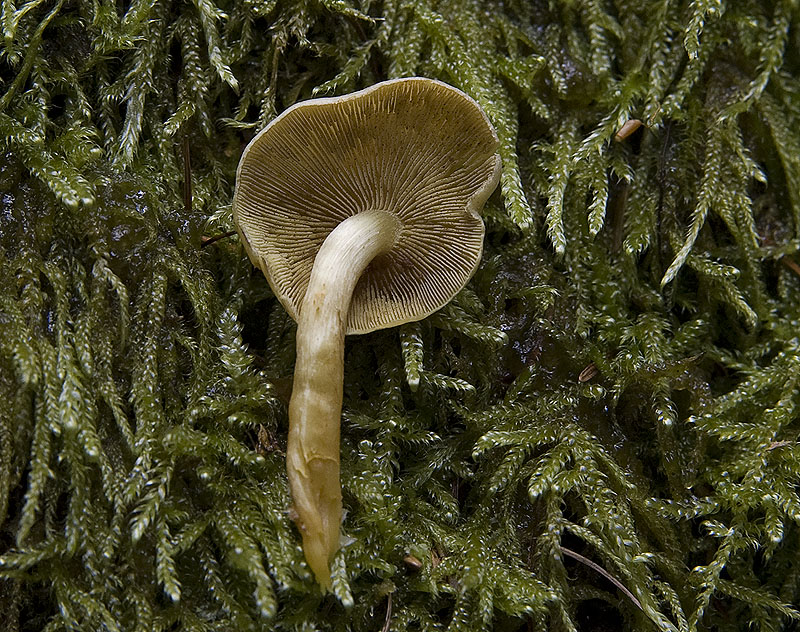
{"type": "Point", "coordinates": [362, 211]}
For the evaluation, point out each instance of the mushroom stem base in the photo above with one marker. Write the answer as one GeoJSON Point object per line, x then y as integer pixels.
{"type": "Point", "coordinates": [312, 456]}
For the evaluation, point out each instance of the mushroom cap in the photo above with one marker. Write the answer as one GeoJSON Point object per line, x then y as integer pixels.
{"type": "Point", "coordinates": [415, 147]}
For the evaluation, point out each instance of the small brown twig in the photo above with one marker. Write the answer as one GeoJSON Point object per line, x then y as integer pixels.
{"type": "Point", "coordinates": [790, 263]}
{"type": "Point", "coordinates": [588, 373]}
{"type": "Point", "coordinates": [596, 567]}
{"type": "Point", "coordinates": [207, 241]}
{"type": "Point", "coordinates": [187, 176]}
{"type": "Point", "coordinates": [388, 622]}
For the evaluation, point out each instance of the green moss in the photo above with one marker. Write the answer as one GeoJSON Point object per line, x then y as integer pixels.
{"type": "Point", "coordinates": [600, 432]}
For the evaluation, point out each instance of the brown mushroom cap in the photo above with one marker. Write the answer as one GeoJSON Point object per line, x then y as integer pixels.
{"type": "Point", "coordinates": [415, 147]}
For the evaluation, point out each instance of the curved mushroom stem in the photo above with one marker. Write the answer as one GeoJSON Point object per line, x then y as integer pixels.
{"type": "Point", "coordinates": [312, 455]}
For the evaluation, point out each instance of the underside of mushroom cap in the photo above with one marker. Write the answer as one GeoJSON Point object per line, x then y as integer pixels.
{"type": "Point", "coordinates": [416, 148]}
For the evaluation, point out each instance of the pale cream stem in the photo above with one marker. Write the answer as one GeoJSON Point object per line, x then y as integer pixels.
{"type": "Point", "coordinates": [312, 456]}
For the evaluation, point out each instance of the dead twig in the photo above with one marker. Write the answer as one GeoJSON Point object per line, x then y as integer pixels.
{"type": "Point", "coordinates": [207, 241]}
{"type": "Point", "coordinates": [790, 263]}
{"type": "Point", "coordinates": [596, 567]}
{"type": "Point", "coordinates": [388, 622]}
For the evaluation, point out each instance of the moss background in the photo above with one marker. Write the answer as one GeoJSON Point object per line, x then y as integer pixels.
{"type": "Point", "coordinates": [600, 432]}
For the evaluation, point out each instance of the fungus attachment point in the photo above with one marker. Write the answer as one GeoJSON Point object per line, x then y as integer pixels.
{"type": "Point", "coordinates": [362, 212]}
